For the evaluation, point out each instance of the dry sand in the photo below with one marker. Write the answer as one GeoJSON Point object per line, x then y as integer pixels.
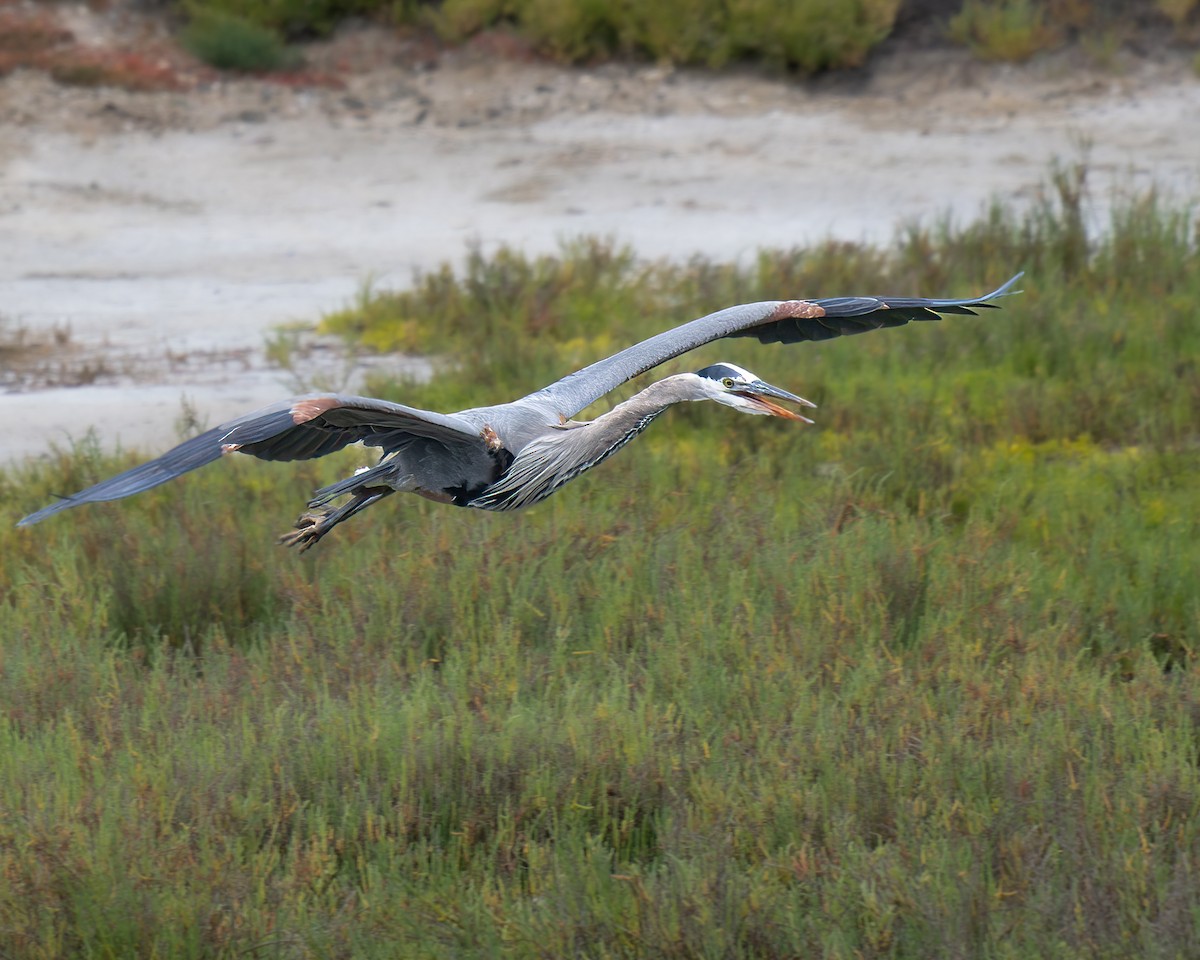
{"type": "Point", "coordinates": [164, 236]}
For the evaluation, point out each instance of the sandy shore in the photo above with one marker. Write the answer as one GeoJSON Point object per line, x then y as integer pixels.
{"type": "Point", "coordinates": [163, 236]}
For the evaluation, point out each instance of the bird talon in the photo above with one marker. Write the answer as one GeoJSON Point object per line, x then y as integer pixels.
{"type": "Point", "coordinates": [310, 527]}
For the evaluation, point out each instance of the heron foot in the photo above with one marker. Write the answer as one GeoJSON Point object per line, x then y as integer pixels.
{"type": "Point", "coordinates": [310, 527]}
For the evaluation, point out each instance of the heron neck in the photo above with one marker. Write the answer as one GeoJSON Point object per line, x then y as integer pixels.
{"type": "Point", "coordinates": [630, 417]}
{"type": "Point", "coordinates": [610, 431]}
{"type": "Point", "coordinates": [562, 455]}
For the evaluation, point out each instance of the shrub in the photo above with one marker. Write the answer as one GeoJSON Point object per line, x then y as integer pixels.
{"type": "Point", "coordinates": [1177, 11]}
{"type": "Point", "coordinates": [455, 20]}
{"type": "Point", "coordinates": [228, 42]}
{"type": "Point", "coordinates": [811, 36]}
{"type": "Point", "coordinates": [1012, 30]}
{"type": "Point", "coordinates": [583, 30]}
{"type": "Point", "coordinates": [293, 19]}
{"type": "Point", "coordinates": [808, 35]}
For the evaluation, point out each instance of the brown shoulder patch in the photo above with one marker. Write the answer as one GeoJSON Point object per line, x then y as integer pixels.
{"type": "Point", "coordinates": [307, 410]}
{"type": "Point", "coordinates": [795, 309]}
{"type": "Point", "coordinates": [491, 438]}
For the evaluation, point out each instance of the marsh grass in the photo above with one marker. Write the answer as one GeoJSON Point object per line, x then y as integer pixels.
{"type": "Point", "coordinates": [919, 681]}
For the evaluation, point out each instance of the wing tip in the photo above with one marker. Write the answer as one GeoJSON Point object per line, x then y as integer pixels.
{"type": "Point", "coordinates": [48, 511]}
{"type": "Point", "coordinates": [1005, 289]}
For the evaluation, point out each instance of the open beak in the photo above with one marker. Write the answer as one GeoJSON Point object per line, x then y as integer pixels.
{"type": "Point", "coordinates": [760, 393]}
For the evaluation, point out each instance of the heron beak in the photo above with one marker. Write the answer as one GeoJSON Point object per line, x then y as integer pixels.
{"type": "Point", "coordinates": [759, 392]}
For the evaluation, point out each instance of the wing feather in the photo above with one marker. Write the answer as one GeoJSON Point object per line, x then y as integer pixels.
{"type": "Point", "coordinates": [300, 429]}
{"type": "Point", "coordinates": [771, 321]}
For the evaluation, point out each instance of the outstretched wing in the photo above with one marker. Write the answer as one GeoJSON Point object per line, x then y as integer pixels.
{"type": "Point", "coordinates": [300, 429]}
{"type": "Point", "coordinates": [771, 321]}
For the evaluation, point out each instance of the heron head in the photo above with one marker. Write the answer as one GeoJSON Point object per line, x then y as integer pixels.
{"type": "Point", "coordinates": [737, 387]}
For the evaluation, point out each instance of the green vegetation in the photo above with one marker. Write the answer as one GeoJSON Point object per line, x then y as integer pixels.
{"type": "Point", "coordinates": [916, 682]}
{"type": "Point", "coordinates": [806, 36]}
{"type": "Point", "coordinates": [1011, 30]}
{"type": "Point", "coordinates": [295, 19]}
{"type": "Point", "coordinates": [229, 42]}
{"type": "Point", "coordinates": [1177, 11]}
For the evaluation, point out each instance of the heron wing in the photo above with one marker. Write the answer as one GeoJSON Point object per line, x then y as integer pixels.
{"type": "Point", "coordinates": [771, 321]}
{"type": "Point", "coordinates": [300, 429]}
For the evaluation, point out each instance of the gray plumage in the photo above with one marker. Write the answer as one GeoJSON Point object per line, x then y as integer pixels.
{"type": "Point", "coordinates": [513, 455]}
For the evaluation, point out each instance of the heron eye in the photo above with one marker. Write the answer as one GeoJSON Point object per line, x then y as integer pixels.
{"type": "Point", "coordinates": [727, 382]}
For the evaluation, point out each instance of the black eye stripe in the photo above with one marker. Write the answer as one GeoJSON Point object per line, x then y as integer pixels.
{"type": "Point", "coordinates": [720, 372]}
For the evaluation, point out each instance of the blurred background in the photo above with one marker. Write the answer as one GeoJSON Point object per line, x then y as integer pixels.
{"type": "Point", "coordinates": [178, 182]}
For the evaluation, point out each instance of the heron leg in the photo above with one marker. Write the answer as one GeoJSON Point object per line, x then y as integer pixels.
{"type": "Point", "coordinates": [314, 524]}
{"type": "Point", "coordinates": [385, 470]}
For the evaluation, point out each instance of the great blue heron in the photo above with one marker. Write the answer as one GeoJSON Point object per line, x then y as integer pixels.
{"type": "Point", "coordinates": [516, 454]}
